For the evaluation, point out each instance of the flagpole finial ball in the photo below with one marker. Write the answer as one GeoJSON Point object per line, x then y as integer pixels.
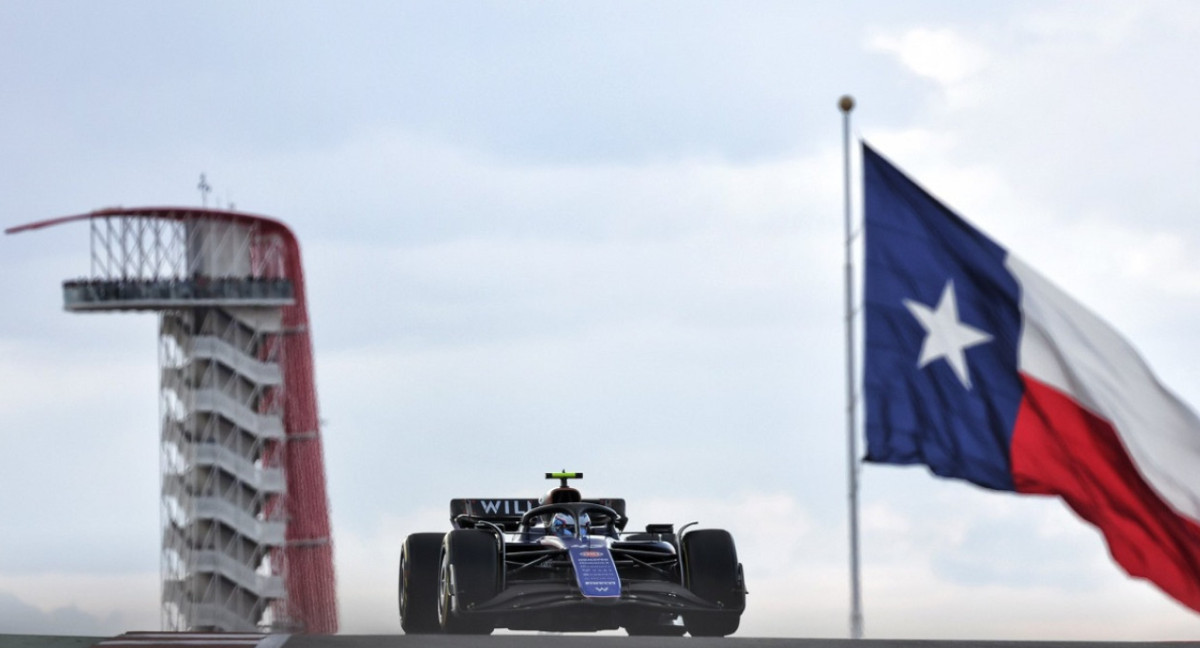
{"type": "Point", "coordinates": [846, 103]}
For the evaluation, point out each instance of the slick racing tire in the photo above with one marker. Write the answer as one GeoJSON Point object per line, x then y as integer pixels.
{"type": "Point", "coordinates": [419, 583]}
{"type": "Point", "coordinates": [469, 575]}
{"type": "Point", "coordinates": [712, 572]}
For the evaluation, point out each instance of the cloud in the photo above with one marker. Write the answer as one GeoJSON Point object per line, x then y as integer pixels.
{"type": "Point", "coordinates": [67, 603]}
{"type": "Point", "coordinates": [606, 240]}
{"type": "Point", "coordinates": [18, 617]}
{"type": "Point", "coordinates": [940, 54]}
{"type": "Point", "coordinates": [995, 565]}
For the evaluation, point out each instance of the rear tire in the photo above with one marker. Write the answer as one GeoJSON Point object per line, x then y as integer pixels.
{"type": "Point", "coordinates": [712, 572]}
{"type": "Point", "coordinates": [469, 575]}
{"type": "Point", "coordinates": [418, 591]}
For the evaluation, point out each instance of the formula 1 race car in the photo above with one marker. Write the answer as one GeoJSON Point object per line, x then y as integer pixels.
{"type": "Point", "coordinates": [566, 564]}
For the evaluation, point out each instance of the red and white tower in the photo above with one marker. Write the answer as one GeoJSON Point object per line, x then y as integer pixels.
{"type": "Point", "coordinates": [246, 540]}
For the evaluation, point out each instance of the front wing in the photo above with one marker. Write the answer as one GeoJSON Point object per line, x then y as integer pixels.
{"type": "Point", "coordinates": [560, 606]}
{"type": "Point", "coordinates": [585, 590]}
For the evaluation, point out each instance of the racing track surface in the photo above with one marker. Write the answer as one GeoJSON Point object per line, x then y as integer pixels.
{"type": "Point", "coordinates": [254, 640]}
{"type": "Point", "coordinates": [592, 641]}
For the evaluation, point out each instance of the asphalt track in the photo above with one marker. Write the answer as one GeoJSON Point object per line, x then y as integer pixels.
{"type": "Point", "coordinates": [196, 640]}
{"type": "Point", "coordinates": [593, 641]}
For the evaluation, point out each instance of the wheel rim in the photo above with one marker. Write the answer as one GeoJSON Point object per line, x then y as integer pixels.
{"type": "Point", "coordinates": [405, 570]}
{"type": "Point", "coordinates": [444, 592]}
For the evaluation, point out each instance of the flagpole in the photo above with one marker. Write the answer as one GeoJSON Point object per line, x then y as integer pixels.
{"type": "Point", "coordinates": [846, 104]}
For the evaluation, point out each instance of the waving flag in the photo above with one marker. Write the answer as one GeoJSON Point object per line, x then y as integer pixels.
{"type": "Point", "coordinates": [981, 369]}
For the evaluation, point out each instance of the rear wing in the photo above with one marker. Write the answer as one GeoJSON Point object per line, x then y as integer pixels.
{"type": "Point", "coordinates": [507, 512]}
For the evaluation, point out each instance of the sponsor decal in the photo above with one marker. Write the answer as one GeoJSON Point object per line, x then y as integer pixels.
{"type": "Point", "coordinates": [595, 571]}
{"type": "Point", "coordinates": [506, 507]}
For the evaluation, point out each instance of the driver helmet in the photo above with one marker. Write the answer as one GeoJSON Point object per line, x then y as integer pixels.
{"type": "Point", "coordinates": [564, 527]}
{"type": "Point", "coordinates": [561, 495]}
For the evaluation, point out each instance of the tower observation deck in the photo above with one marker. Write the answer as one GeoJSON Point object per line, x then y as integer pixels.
{"type": "Point", "coordinates": [246, 538]}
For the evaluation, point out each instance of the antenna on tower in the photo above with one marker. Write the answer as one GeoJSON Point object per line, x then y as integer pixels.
{"type": "Point", "coordinates": [205, 189]}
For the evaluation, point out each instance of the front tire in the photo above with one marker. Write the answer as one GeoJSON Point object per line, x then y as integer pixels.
{"type": "Point", "coordinates": [469, 575]}
{"type": "Point", "coordinates": [712, 572]}
{"type": "Point", "coordinates": [418, 591]}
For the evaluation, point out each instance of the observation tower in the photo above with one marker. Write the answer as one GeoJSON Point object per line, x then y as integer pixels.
{"type": "Point", "coordinates": [246, 541]}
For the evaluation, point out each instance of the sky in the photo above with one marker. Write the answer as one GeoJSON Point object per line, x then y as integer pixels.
{"type": "Point", "coordinates": [601, 236]}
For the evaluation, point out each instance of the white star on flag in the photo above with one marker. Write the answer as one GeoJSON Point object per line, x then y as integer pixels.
{"type": "Point", "coordinates": [945, 336]}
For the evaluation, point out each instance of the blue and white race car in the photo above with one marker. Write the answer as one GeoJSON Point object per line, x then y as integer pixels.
{"type": "Point", "coordinates": [564, 563]}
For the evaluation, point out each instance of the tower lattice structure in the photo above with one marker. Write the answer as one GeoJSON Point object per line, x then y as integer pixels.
{"type": "Point", "coordinates": [246, 540]}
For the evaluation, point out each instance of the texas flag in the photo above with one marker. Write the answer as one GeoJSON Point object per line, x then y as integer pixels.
{"type": "Point", "coordinates": [978, 367]}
